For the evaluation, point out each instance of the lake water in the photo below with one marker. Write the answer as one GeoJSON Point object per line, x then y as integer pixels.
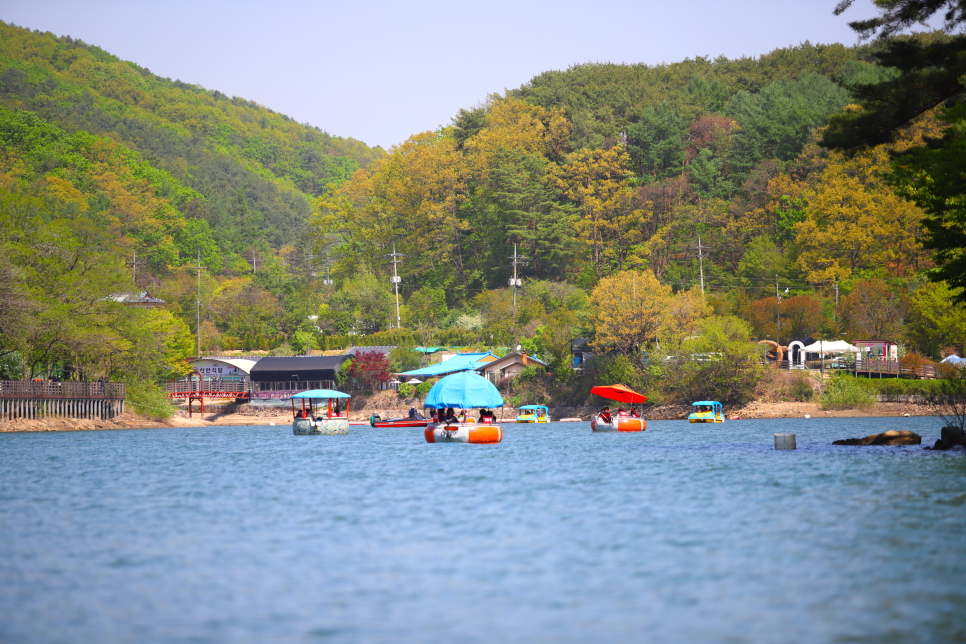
{"type": "Point", "coordinates": [683, 533]}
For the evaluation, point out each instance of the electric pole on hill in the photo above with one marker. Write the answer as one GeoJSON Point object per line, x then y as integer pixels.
{"type": "Point", "coordinates": [395, 279]}
{"type": "Point", "coordinates": [198, 305]}
{"type": "Point", "coordinates": [515, 281]}
{"type": "Point", "coordinates": [699, 248]}
{"type": "Point", "coordinates": [134, 266]}
{"type": "Point", "coordinates": [328, 268]}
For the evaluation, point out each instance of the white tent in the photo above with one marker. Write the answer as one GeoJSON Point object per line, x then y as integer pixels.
{"type": "Point", "coordinates": [954, 359]}
{"type": "Point", "coordinates": [837, 346]}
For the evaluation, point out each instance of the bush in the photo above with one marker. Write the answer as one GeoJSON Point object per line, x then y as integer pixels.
{"type": "Point", "coordinates": [149, 400]}
{"type": "Point", "coordinates": [800, 389]}
{"type": "Point", "coordinates": [950, 402]}
{"type": "Point", "coordinates": [535, 373]}
{"type": "Point", "coordinates": [422, 389]}
{"type": "Point", "coordinates": [406, 390]}
{"type": "Point", "coordinates": [846, 392]}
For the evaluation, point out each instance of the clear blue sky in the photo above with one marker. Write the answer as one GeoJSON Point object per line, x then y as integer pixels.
{"type": "Point", "coordinates": [381, 71]}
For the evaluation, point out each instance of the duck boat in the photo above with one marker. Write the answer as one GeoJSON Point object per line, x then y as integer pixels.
{"type": "Point", "coordinates": [608, 422]}
{"type": "Point", "coordinates": [534, 414]}
{"type": "Point", "coordinates": [463, 390]}
{"type": "Point", "coordinates": [327, 420]}
{"type": "Point", "coordinates": [706, 411]}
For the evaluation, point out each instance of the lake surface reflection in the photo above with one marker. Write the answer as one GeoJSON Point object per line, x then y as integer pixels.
{"type": "Point", "coordinates": [684, 533]}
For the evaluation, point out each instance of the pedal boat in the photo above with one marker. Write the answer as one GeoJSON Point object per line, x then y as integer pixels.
{"type": "Point", "coordinates": [706, 411]}
{"type": "Point", "coordinates": [330, 421]}
{"type": "Point", "coordinates": [534, 414]}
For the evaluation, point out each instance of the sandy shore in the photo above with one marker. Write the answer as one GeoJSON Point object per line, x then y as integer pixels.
{"type": "Point", "coordinates": [272, 416]}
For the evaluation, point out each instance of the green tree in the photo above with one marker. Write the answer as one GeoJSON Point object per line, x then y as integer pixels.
{"type": "Point", "coordinates": [656, 142]}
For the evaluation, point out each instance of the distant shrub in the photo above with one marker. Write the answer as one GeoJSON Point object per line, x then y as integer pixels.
{"type": "Point", "coordinates": [846, 392]}
{"type": "Point", "coordinates": [406, 390]}
{"type": "Point", "coordinates": [422, 389]}
{"type": "Point", "coordinates": [149, 400]}
{"type": "Point", "coordinates": [531, 374]}
{"type": "Point", "coordinates": [800, 389]}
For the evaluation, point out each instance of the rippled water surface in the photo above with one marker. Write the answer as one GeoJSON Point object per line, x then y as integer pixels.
{"type": "Point", "coordinates": [683, 533]}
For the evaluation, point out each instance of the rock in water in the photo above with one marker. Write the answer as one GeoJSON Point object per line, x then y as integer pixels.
{"type": "Point", "coordinates": [891, 437]}
{"type": "Point", "coordinates": [950, 437]}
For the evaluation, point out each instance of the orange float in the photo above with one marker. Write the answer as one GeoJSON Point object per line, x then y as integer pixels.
{"type": "Point", "coordinates": [482, 433]}
{"type": "Point", "coordinates": [618, 424]}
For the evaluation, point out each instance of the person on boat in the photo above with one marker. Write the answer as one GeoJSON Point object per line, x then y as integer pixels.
{"type": "Point", "coordinates": [412, 414]}
{"type": "Point", "coordinates": [634, 413]}
{"type": "Point", "coordinates": [462, 416]}
{"type": "Point", "coordinates": [622, 413]}
{"type": "Point", "coordinates": [336, 413]}
{"type": "Point", "coordinates": [449, 416]}
{"type": "Point", "coordinates": [605, 415]}
{"type": "Point", "coordinates": [486, 416]}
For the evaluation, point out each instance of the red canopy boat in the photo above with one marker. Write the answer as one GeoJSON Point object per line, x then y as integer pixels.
{"type": "Point", "coordinates": [613, 422]}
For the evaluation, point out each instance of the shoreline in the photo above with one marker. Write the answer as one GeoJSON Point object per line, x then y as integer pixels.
{"type": "Point", "coordinates": [753, 410]}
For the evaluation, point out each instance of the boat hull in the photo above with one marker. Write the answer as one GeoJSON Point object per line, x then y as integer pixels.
{"type": "Point", "coordinates": [532, 419]}
{"type": "Point", "coordinates": [399, 422]}
{"type": "Point", "coordinates": [479, 433]}
{"type": "Point", "coordinates": [321, 427]}
{"type": "Point", "coordinates": [705, 418]}
{"type": "Point", "coordinates": [619, 424]}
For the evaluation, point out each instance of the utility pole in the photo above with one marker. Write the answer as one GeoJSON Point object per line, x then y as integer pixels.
{"type": "Point", "coordinates": [134, 266]}
{"type": "Point", "coordinates": [198, 305]}
{"type": "Point", "coordinates": [835, 311]}
{"type": "Point", "coordinates": [699, 248]}
{"type": "Point", "coordinates": [515, 281]}
{"type": "Point", "coordinates": [395, 279]}
{"type": "Point", "coordinates": [778, 313]}
{"type": "Point", "coordinates": [328, 266]}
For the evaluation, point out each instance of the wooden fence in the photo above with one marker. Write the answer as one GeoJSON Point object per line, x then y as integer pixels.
{"type": "Point", "coordinates": [33, 399]}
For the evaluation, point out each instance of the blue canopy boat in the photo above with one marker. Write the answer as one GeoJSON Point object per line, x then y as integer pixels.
{"type": "Point", "coordinates": [329, 421]}
{"type": "Point", "coordinates": [463, 390]}
{"type": "Point", "coordinates": [706, 411]}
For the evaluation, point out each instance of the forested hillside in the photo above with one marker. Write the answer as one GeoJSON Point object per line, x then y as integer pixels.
{"type": "Point", "coordinates": [252, 170]}
{"type": "Point", "coordinates": [684, 208]}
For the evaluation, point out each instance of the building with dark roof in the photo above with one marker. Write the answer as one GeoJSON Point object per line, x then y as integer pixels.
{"type": "Point", "coordinates": [280, 377]}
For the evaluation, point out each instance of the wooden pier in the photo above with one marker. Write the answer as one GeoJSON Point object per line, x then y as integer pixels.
{"type": "Point", "coordinates": [33, 399]}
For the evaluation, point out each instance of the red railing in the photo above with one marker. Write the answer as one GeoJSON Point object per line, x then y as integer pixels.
{"type": "Point", "coordinates": [208, 389]}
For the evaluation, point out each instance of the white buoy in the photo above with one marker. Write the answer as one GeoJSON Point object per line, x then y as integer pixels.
{"type": "Point", "coordinates": [807, 416]}
{"type": "Point", "coordinates": [785, 441]}
{"type": "Point", "coordinates": [271, 424]}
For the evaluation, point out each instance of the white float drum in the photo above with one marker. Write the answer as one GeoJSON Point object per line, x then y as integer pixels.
{"type": "Point", "coordinates": [321, 427]}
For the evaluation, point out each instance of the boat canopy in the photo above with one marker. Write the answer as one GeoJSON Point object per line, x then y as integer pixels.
{"type": "Point", "coordinates": [533, 407]}
{"type": "Point", "coordinates": [620, 393]}
{"type": "Point", "coordinates": [321, 393]}
{"type": "Point", "coordinates": [706, 402]}
{"type": "Point", "coordinates": [463, 390]}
